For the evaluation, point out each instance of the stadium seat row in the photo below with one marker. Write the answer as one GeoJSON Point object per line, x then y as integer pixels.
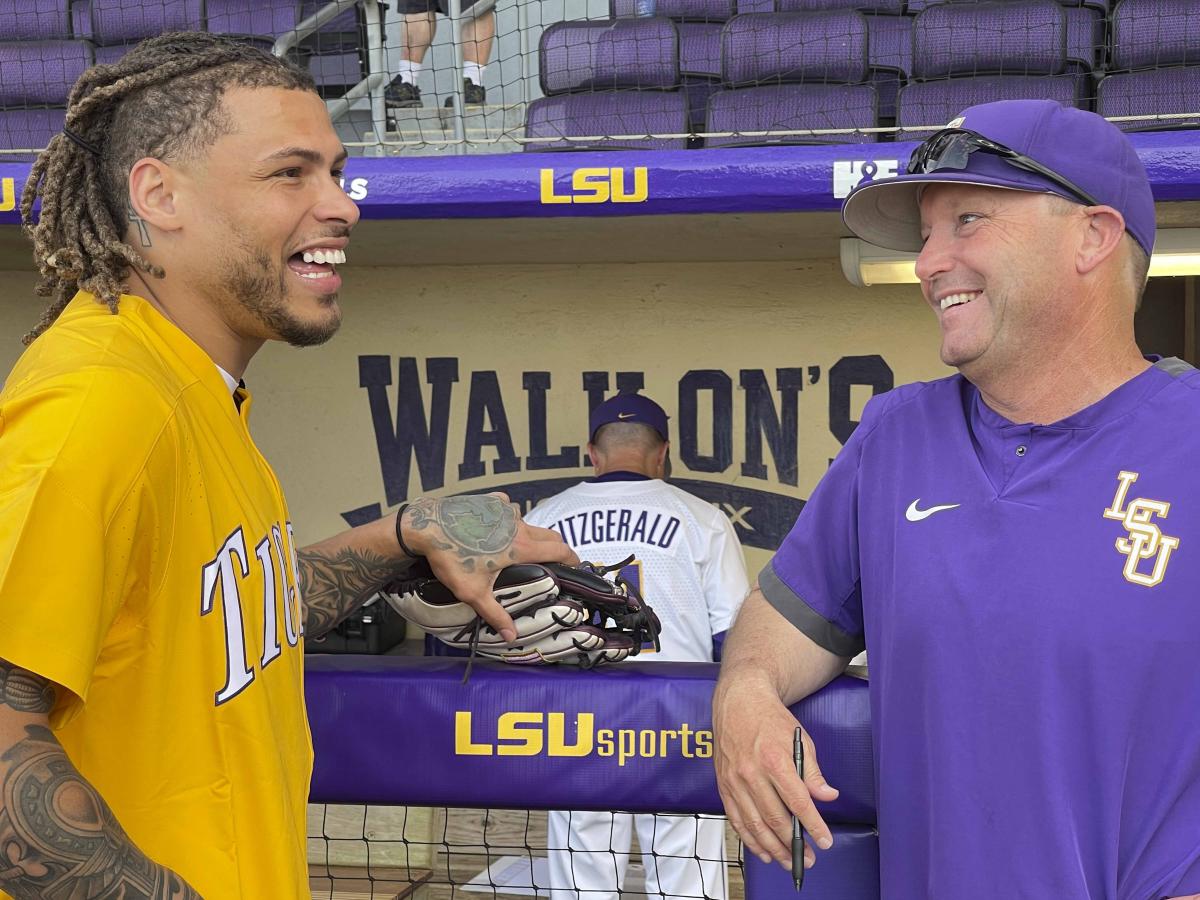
{"type": "Point", "coordinates": [838, 70]}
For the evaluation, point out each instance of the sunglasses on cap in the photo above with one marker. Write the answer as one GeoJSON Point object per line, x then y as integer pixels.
{"type": "Point", "coordinates": [951, 148]}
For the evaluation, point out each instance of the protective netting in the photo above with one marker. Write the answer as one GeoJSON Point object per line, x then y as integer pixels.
{"type": "Point", "coordinates": [377, 852]}
{"type": "Point", "coordinates": [436, 76]}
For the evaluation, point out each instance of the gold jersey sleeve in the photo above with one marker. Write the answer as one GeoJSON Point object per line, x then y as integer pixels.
{"type": "Point", "coordinates": [147, 566]}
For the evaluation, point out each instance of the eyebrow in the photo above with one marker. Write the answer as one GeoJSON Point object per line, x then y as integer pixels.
{"type": "Point", "coordinates": [307, 154]}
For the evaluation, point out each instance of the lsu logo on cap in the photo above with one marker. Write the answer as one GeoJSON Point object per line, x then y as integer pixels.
{"type": "Point", "coordinates": [1145, 539]}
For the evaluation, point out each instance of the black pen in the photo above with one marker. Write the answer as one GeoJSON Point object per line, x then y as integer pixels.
{"type": "Point", "coordinates": [797, 828]}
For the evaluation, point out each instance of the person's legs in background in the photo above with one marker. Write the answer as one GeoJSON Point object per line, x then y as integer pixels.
{"type": "Point", "coordinates": [688, 858]}
{"type": "Point", "coordinates": [477, 36]}
{"type": "Point", "coordinates": [416, 35]}
{"type": "Point", "coordinates": [588, 854]}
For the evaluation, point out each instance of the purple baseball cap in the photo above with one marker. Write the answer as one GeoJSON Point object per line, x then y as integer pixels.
{"type": "Point", "coordinates": [628, 408]}
{"type": "Point", "coordinates": [1080, 147]}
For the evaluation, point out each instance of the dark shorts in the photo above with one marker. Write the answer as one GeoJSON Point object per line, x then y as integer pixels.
{"type": "Point", "coordinates": [423, 6]}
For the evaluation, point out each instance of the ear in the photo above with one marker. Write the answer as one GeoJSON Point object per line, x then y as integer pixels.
{"type": "Point", "coordinates": [1101, 236]}
{"type": "Point", "coordinates": [595, 455]}
{"type": "Point", "coordinates": [661, 459]}
{"type": "Point", "coordinates": [152, 194]}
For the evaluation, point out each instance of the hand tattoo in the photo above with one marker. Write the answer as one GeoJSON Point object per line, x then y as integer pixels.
{"type": "Point", "coordinates": [474, 526]}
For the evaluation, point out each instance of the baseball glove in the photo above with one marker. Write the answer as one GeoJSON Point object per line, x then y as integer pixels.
{"type": "Point", "coordinates": [562, 614]}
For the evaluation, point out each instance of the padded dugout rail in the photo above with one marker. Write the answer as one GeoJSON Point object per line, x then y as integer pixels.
{"type": "Point", "coordinates": [634, 737]}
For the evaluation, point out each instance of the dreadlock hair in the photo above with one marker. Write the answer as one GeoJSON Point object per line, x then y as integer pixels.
{"type": "Point", "coordinates": [160, 100]}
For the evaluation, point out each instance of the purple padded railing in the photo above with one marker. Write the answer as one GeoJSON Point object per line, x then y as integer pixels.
{"type": "Point", "coordinates": [41, 73]}
{"type": "Point", "coordinates": [789, 107]}
{"type": "Point", "coordinates": [934, 103]}
{"type": "Point", "coordinates": [680, 10]}
{"type": "Point", "coordinates": [1152, 33]}
{"type": "Point", "coordinates": [699, 49]}
{"type": "Point", "coordinates": [1161, 91]}
{"type": "Point", "coordinates": [606, 113]}
{"type": "Point", "coordinates": [818, 46]}
{"type": "Point", "coordinates": [1012, 37]}
{"type": "Point", "coordinates": [609, 55]}
{"type": "Point", "coordinates": [129, 21]}
{"type": "Point", "coordinates": [35, 20]}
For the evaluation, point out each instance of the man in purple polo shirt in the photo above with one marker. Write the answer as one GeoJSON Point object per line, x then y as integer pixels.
{"type": "Point", "coordinates": [1016, 546]}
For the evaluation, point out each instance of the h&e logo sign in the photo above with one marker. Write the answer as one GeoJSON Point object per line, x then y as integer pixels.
{"type": "Point", "coordinates": [848, 173]}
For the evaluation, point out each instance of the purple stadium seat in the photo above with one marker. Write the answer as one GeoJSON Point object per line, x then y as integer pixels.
{"type": "Point", "coordinates": [889, 51]}
{"type": "Point", "coordinates": [1025, 37]}
{"type": "Point", "coordinates": [41, 73]}
{"type": "Point", "coordinates": [609, 55]}
{"type": "Point", "coordinates": [680, 10]}
{"type": "Point", "coordinates": [1151, 33]}
{"type": "Point", "coordinates": [789, 107]}
{"type": "Point", "coordinates": [109, 55]}
{"type": "Point", "coordinates": [261, 19]}
{"type": "Point", "coordinates": [81, 18]}
{"type": "Point", "coordinates": [1085, 39]}
{"type": "Point", "coordinates": [130, 21]}
{"type": "Point", "coordinates": [890, 7]}
{"type": "Point", "coordinates": [332, 54]}
{"type": "Point", "coordinates": [1159, 91]}
{"type": "Point", "coordinates": [28, 128]}
{"type": "Point", "coordinates": [916, 6]}
{"type": "Point", "coordinates": [700, 66]}
{"type": "Point", "coordinates": [700, 49]}
{"type": "Point", "coordinates": [608, 113]}
{"type": "Point", "coordinates": [35, 20]}
{"type": "Point", "coordinates": [697, 91]}
{"type": "Point", "coordinates": [923, 107]}
{"type": "Point", "coordinates": [817, 46]}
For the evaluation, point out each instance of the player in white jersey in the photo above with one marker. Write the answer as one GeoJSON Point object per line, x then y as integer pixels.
{"type": "Point", "coordinates": [689, 566]}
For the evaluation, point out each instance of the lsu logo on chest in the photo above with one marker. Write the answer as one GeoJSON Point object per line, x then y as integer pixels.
{"type": "Point", "coordinates": [1146, 549]}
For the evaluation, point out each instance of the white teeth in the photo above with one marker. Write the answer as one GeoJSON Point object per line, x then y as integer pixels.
{"type": "Point", "coordinates": [324, 256]}
{"type": "Point", "coordinates": [957, 299]}
{"type": "Point", "coordinates": [316, 274]}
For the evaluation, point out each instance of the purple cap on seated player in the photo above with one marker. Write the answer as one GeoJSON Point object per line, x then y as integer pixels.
{"type": "Point", "coordinates": [628, 408]}
{"type": "Point", "coordinates": [1051, 148]}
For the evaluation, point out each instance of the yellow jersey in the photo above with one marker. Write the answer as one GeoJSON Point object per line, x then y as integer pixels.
{"type": "Point", "coordinates": [147, 566]}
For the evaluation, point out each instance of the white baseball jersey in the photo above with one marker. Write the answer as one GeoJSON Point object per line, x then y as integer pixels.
{"type": "Point", "coordinates": [688, 567]}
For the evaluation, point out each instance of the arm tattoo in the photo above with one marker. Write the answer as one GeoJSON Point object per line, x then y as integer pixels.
{"type": "Point", "coordinates": [58, 838]}
{"type": "Point", "coordinates": [24, 691]}
{"type": "Point", "coordinates": [335, 584]}
{"type": "Point", "coordinates": [474, 526]}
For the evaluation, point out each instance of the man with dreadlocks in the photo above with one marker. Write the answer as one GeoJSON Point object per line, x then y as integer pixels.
{"type": "Point", "coordinates": [153, 741]}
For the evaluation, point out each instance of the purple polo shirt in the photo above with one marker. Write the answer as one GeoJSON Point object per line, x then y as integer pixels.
{"type": "Point", "coordinates": [1028, 598]}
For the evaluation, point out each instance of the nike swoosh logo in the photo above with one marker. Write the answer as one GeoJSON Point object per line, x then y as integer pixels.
{"type": "Point", "coordinates": [916, 515]}
{"type": "Point", "coordinates": [626, 415]}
